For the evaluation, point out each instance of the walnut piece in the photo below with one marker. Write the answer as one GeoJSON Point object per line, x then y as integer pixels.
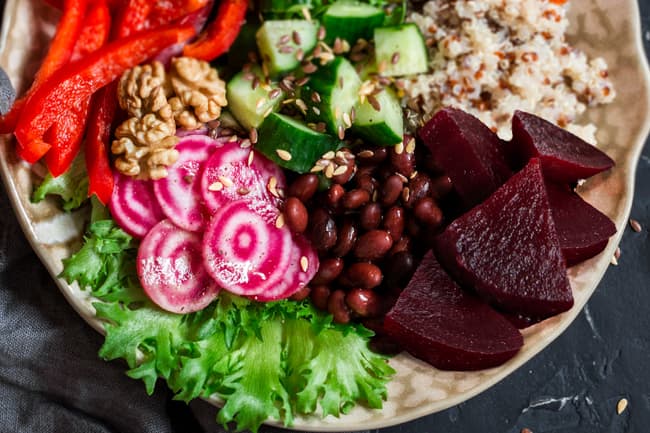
{"type": "Point", "coordinates": [200, 93]}
{"type": "Point", "coordinates": [145, 89]}
{"type": "Point", "coordinates": [145, 147]}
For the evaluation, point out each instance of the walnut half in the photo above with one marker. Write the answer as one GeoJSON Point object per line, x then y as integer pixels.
{"type": "Point", "coordinates": [145, 147]}
{"type": "Point", "coordinates": [145, 89]}
{"type": "Point", "coordinates": [200, 93]}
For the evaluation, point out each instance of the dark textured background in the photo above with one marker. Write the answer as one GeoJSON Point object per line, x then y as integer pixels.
{"type": "Point", "coordinates": [52, 381]}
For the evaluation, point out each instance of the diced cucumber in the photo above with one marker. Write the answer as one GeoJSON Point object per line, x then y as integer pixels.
{"type": "Point", "coordinates": [351, 21]}
{"type": "Point", "coordinates": [283, 6]}
{"type": "Point", "coordinates": [249, 99]}
{"type": "Point", "coordinates": [330, 94]}
{"type": "Point", "coordinates": [279, 41]}
{"type": "Point", "coordinates": [383, 127]}
{"type": "Point", "coordinates": [292, 144]}
{"type": "Point", "coordinates": [400, 50]}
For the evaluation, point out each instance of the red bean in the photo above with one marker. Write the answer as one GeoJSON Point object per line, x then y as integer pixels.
{"type": "Point", "coordinates": [367, 182]}
{"type": "Point", "coordinates": [394, 222]}
{"type": "Point", "coordinates": [373, 245]}
{"type": "Point", "coordinates": [370, 216]}
{"type": "Point", "coordinates": [328, 271]}
{"type": "Point", "coordinates": [391, 190]}
{"type": "Point", "coordinates": [334, 195]}
{"type": "Point", "coordinates": [428, 212]}
{"type": "Point", "coordinates": [322, 231]}
{"type": "Point", "coordinates": [403, 163]}
{"type": "Point", "coordinates": [372, 156]}
{"type": "Point", "coordinates": [346, 175]}
{"type": "Point", "coordinates": [355, 199]}
{"type": "Point", "coordinates": [295, 215]}
{"type": "Point", "coordinates": [347, 236]}
{"type": "Point", "coordinates": [399, 269]}
{"type": "Point", "coordinates": [364, 302]}
{"type": "Point", "coordinates": [364, 275]}
{"type": "Point", "coordinates": [337, 307]}
{"type": "Point", "coordinates": [319, 296]}
{"type": "Point", "coordinates": [301, 294]}
{"type": "Point", "coordinates": [419, 187]}
{"type": "Point", "coordinates": [304, 187]}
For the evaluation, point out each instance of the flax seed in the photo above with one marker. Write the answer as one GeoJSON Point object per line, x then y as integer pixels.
{"type": "Point", "coordinates": [296, 37]}
{"type": "Point", "coordinates": [304, 263]}
{"type": "Point", "coordinates": [394, 58]}
{"type": "Point", "coordinates": [252, 135]}
{"type": "Point", "coordinates": [321, 33]}
{"type": "Point", "coordinates": [341, 132]}
{"type": "Point", "coordinates": [374, 102]}
{"type": "Point", "coordinates": [301, 82]}
{"type": "Point", "coordinates": [279, 222]}
{"type": "Point", "coordinates": [283, 154]}
{"type": "Point", "coordinates": [225, 181]}
{"type": "Point", "coordinates": [636, 226]}
{"type": "Point", "coordinates": [250, 158]}
{"type": "Point", "coordinates": [216, 186]}
{"type": "Point", "coordinates": [246, 143]}
{"type": "Point", "coordinates": [621, 406]}
{"type": "Point", "coordinates": [347, 120]}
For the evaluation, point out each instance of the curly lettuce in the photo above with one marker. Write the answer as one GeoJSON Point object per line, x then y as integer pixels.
{"type": "Point", "coordinates": [71, 187]}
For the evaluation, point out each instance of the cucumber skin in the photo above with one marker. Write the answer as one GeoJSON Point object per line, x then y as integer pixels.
{"type": "Point", "coordinates": [352, 28]}
{"type": "Point", "coordinates": [325, 82]}
{"type": "Point", "coordinates": [374, 129]}
{"type": "Point", "coordinates": [305, 146]}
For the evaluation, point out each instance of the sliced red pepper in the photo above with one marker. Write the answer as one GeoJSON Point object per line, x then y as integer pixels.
{"type": "Point", "coordinates": [68, 87]}
{"type": "Point", "coordinates": [166, 12]}
{"type": "Point", "coordinates": [132, 18]}
{"type": "Point", "coordinates": [221, 33]}
{"type": "Point", "coordinates": [95, 32]}
{"type": "Point", "coordinates": [67, 33]}
{"type": "Point", "coordinates": [100, 176]}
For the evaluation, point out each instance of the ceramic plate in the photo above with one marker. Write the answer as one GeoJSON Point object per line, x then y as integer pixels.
{"type": "Point", "coordinates": [600, 27]}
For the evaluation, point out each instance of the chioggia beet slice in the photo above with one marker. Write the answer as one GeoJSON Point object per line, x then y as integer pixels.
{"type": "Point", "coordinates": [565, 157]}
{"type": "Point", "coordinates": [583, 230]}
{"type": "Point", "coordinates": [435, 320]}
{"type": "Point", "coordinates": [508, 250]}
{"type": "Point", "coordinates": [468, 152]}
{"type": "Point", "coordinates": [134, 205]}
{"type": "Point", "coordinates": [170, 269]}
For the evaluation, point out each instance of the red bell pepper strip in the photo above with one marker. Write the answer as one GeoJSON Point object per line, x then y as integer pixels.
{"type": "Point", "coordinates": [100, 176]}
{"type": "Point", "coordinates": [67, 33]}
{"type": "Point", "coordinates": [221, 33]}
{"type": "Point", "coordinates": [132, 18]}
{"type": "Point", "coordinates": [68, 87]}
{"type": "Point", "coordinates": [65, 136]}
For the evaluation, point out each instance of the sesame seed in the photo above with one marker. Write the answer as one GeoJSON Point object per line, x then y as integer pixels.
{"type": "Point", "coordinates": [406, 193]}
{"type": "Point", "coordinates": [301, 104]}
{"type": "Point", "coordinates": [271, 186]}
{"type": "Point", "coordinates": [340, 170]}
{"type": "Point", "coordinates": [268, 111]}
{"type": "Point", "coordinates": [225, 181]}
{"type": "Point", "coordinates": [415, 173]}
{"type": "Point", "coordinates": [283, 154]}
{"type": "Point", "coordinates": [410, 146]}
{"type": "Point", "coordinates": [250, 157]}
{"type": "Point", "coordinates": [216, 186]}
{"type": "Point", "coordinates": [399, 148]}
{"type": "Point", "coordinates": [252, 135]}
{"type": "Point", "coordinates": [366, 154]}
{"type": "Point", "coordinates": [337, 112]}
{"type": "Point", "coordinates": [304, 263]}
{"type": "Point", "coordinates": [296, 37]}
{"type": "Point", "coordinates": [621, 406]}
{"type": "Point", "coordinates": [245, 144]}
{"type": "Point", "coordinates": [403, 178]}
{"type": "Point", "coordinates": [636, 226]}
{"type": "Point", "coordinates": [279, 222]}
{"type": "Point", "coordinates": [394, 58]}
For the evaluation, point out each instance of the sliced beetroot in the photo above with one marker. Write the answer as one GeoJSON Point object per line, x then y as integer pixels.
{"type": "Point", "coordinates": [507, 249]}
{"type": "Point", "coordinates": [133, 205]}
{"type": "Point", "coordinates": [244, 250]}
{"type": "Point", "coordinates": [235, 173]}
{"type": "Point", "coordinates": [438, 322]}
{"type": "Point", "coordinates": [583, 231]}
{"type": "Point", "coordinates": [179, 194]}
{"type": "Point", "coordinates": [565, 157]}
{"type": "Point", "coordinates": [468, 152]}
{"type": "Point", "coordinates": [171, 272]}
{"type": "Point", "coordinates": [303, 265]}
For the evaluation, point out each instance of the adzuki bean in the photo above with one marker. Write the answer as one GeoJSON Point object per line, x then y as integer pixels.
{"type": "Point", "coordinates": [403, 163]}
{"type": "Point", "coordinates": [373, 245]}
{"type": "Point", "coordinates": [296, 215]}
{"type": "Point", "coordinates": [355, 199]}
{"type": "Point", "coordinates": [334, 195]}
{"type": "Point", "coordinates": [346, 238]}
{"type": "Point", "coordinates": [394, 222]}
{"type": "Point", "coordinates": [337, 307]}
{"type": "Point", "coordinates": [391, 190]}
{"type": "Point", "coordinates": [322, 231]}
{"type": "Point", "coordinates": [303, 187]}
{"type": "Point", "coordinates": [363, 302]}
{"type": "Point", "coordinates": [428, 212]}
{"type": "Point", "coordinates": [328, 271]}
{"type": "Point", "coordinates": [319, 296]}
{"type": "Point", "coordinates": [370, 216]}
{"type": "Point", "coordinates": [363, 274]}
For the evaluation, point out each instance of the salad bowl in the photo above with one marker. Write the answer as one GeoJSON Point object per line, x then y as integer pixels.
{"type": "Point", "coordinates": [605, 28]}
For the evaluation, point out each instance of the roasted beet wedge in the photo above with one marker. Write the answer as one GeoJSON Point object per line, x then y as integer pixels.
{"type": "Point", "coordinates": [438, 322]}
{"type": "Point", "coordinates": [583, 231]}
{"type": "Point", "coordinates": [468, 152]}
{"type": "Point", "coordinates": [565, 157]}
{"type": "Point", "coordinates": [507, 249]}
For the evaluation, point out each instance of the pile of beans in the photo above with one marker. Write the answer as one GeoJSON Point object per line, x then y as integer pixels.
{"type": "Point", "coordinates": [370, 226]}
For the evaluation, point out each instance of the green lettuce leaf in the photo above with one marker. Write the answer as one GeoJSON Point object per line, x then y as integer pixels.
{"type": "Point", "coordinates": [71, 186]}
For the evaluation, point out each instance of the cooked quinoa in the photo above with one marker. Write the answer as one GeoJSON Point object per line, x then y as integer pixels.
{"type": "Point", "coordinates": [491, 57]}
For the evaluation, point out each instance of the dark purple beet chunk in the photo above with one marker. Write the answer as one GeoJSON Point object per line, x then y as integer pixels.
{"type": "Point", "coordinates": [507, 249]}
{"type": "Point", "coordinates": [468, 152]}
{"type": "Point", "coordinates": [438, 322]}
{"type": "Point", "coordinates": [565, 157]}
{"type": "Point", "coordinates": [582, 229]}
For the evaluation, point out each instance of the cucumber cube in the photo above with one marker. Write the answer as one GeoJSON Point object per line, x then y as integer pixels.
{"type": "Point", "coordinates": [249, 102]}
{"type": "Point", "coordinates": [383, 126]}
{"type": "Point", "coordinates": [280, 40]}
{"type": "Point", "coordinates": [351, 21]}
{"type": "Point", "coordinates": [400, 50]}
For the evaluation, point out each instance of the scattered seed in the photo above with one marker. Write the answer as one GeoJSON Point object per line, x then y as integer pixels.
{"type": "Point", "coordinates": [621, 406]}
{"type": "Point", "coordinates": [265, 69]}
{"type": "Point", "coordinates": [315, 97]}
{"type": "Point", "coordinates": [399, 148]}
{"type": "Point", "coordinates": [321, 33]}
{"type": "Point", "coordinates": [406, 193]}
{"type": "Point", "coordinates": [301, 104]}
{"type": "Point", "coordinates": [353, 114]}
{"type": "Point", "coordinates": [366, 154]}
{"type": "Point", "coordinates": [288, 101]}
{"type": "Point", "coordinates": [315, 110]}
{"type": "Point", "coordinates": [286, 49]}
{"type": "Point", "coordinates": [340, 170]}
{"type": "Point", "coordinates": [296, 37]}
{"type": "Point", "coordinates": [304, 263]}
{"type": "Point", "coordinates": [245, 144]}
{"type": "Point", "coordinates": [300, 54]}
{"type": "Point", "coordinates": [283, 40]}
{"type": "Point", "coordinates": [394, 58]}
{"type": "Point", "coordinates": [283, 154]}
{"type": "Point", "coordinates": [279, 222]}
{"type": "Point", "coordinates": [306, 14]}
{"type": "Point", "coordinates": [347, 120]}
{"type": "Point", "coordinates": [268, 111]}
{"type": "Point", "coordinates": [316, 168]}
{"type": "Point", "coordinates": [280, 192]}
{"type": "Point", "coordinates": [329, 171]}
{"type": "Point", "coordinates": [375, 195]}
{"type": "Point", "coordinates": [415, 173]}
{"type": "Point", "coordinates": [272, 186]}
{"type": "Point", "coordinates": [225, 181]}
{"type": "Point", "coordinates": [374, 102]}
{"type": "Point", "coordinates": [410, 146]}
{"type": "Point", "coordinates": [233, 138]}
{"type": "Point", "coordinates": [252, 135]}
{"type": "Point", "coordinates": [243, 191]}
{"type": "Point", "coordinates": [274, 93]}
{"type": "Point", "coordinates": [250, 157]}
{"type": "Point", "coordinates": [301, 82]}
{"type": "Point", "coordinates": [329, 155]}
{"type": "Point", "coordinates": [636, 226]}
{"type": "Point", "coordinates": [341, 132]}
{"type": "Point", "coordinates": [260, 102]}
{"type": "Point", "coordinates": [309, 68]}
{"type": "Point", "coordinates": [337, 113]}
{"type": "Point", "coordinates": [217, 186]}
{"type": "Point", "coordinates": [403, 178]}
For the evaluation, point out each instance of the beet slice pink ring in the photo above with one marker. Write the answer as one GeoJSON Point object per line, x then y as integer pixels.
{"type": "Point", "coordinates": [234, 173]}
{"type": "Point", "coordinates": [244, 250]}
{"type": "Point", "coordinates": [171, 272]}
{"type": "Point", "coordinates": [179, 193]}
{"type": "Point", "coordinates": [303, 265]}
{"type": "Point", "coordinates": [133, 205]}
